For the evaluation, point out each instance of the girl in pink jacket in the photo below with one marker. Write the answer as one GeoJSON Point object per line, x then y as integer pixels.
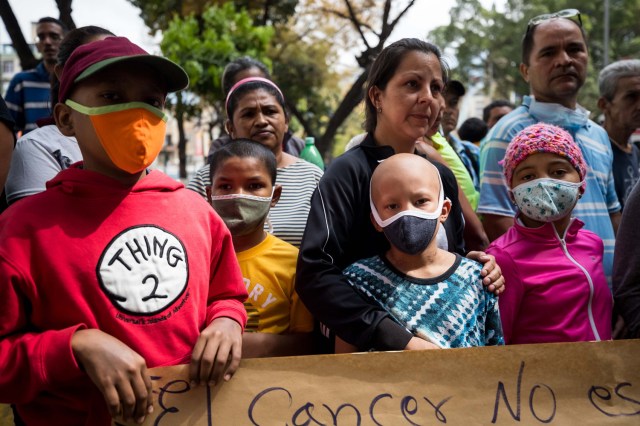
{"type": "Point", "coordinates": [556, 286]}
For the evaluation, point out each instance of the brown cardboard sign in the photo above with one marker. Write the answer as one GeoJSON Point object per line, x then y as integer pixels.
{"type": "Point", "coordinates": [567, 383]}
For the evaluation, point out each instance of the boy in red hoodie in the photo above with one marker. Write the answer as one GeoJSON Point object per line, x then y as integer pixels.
{"type": "Point", "coordinates": [114, 268]}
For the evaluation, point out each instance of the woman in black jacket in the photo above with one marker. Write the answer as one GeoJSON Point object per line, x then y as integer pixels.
{"type": "Point", "coordinates": [403, 101]}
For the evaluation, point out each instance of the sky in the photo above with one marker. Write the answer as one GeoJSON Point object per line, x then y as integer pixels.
{"type": "Point", "coordinates": [123, 19]}
{"type": "Point", "coordinates": [118, 16]}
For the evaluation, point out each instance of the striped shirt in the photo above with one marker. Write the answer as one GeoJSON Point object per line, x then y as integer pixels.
{"type": "Point", "coordinates": [453, 310]}
{"type": "Point", "coordinates": [28, 97]}
{"type": "Point", "coordinates": [288, 218]}
{"type": "Point", "coordinates": [596, 204]}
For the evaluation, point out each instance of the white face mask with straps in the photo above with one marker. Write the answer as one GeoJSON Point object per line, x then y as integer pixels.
{"type": "Point", "coordinates": [546, 199]}
{"type": "Point", "coordinates": [569, 119]}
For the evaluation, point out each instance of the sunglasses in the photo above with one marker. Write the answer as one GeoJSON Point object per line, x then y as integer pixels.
{"type": "Point", "coordinates": [566, 13]}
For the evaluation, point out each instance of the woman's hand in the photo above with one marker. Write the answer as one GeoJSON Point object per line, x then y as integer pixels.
{"type": "Point", "coordinates": [418, 344]}
{"type": "Point", "coordinates": [217, 352]}
{"type": "Point", "coordinates": [342, 347]}
{"type": "Point", "coordinates": [491, 272]}
{"type": "Point", "coordinates": [118, 372]}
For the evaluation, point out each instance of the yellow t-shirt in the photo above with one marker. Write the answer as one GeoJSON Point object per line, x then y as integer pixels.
{"type": "Point", "coordinates": [269, 271]}
{"type": "Point", "coordinates": [6, 415]}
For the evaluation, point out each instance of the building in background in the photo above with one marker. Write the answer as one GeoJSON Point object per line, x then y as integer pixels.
{"type": "Point", "coordinates": [9, 61]}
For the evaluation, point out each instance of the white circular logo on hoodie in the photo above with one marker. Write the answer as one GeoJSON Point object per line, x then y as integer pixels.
{"type": "Point", "coordinates": [143, 270]}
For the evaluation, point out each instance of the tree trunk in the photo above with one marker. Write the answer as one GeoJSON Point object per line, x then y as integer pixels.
{"type": "Point", "coordinates": [365, 59]}
{"type": "Point", "coordinates": [308, 128]}
{"type": "Point", "coordinates": [182, 139]}
{"type": "Point", "coordinates": [64, 6]}
{"type": "Point", "coordinates": [20, 45]}
{"type": "Point", "coordinates": [349, 102]}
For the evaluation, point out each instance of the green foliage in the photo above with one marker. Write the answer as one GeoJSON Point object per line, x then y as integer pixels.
{"type": "Point", "coordinates": [204, 45]}
{"type": "Point", "coordinates": [203, 41]}
{"type": "Point", "coordinates": [267, 11]}
{"type": "Point", "coordinates": [486, 43]}
{"type": "Point", "coordinates": [306, 37]}
{"type": "Point", "coordinates": [351, 127]}
{"type": "Point", "coordinates": [157, 14]}
{"type": "Point", "coordinates": [300, 68]}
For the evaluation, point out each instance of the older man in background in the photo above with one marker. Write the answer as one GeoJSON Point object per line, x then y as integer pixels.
{"type": "Point", "coordinates": [619, 101]}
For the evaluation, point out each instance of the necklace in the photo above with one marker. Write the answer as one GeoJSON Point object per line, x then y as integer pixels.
{"type": "Point", "coordinates": [627, 148]}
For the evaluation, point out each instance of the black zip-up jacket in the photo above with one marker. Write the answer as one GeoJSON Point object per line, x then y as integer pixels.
{"type": "Point", "coordinates": [339, 232]}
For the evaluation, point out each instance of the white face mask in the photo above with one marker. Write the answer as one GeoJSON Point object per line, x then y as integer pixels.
{"type": "Point", "coordinates": [569, 119]}
{"type": "Point", "coordinates": [545, 199]}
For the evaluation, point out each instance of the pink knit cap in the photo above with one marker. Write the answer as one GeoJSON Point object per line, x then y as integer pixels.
{"type": "Point", "coordinates": [541, 138]}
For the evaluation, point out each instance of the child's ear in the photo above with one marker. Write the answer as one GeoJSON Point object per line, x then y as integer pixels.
{"type": "Point", "coordinates": [277, 192]}
{"type": "Point", "coordinates": [208, 189]}
{"type": "Point", "coordinates": [57, 70]}
{"type": "Point", "coordinates": [446, 209]}
{"type": "Point", "coordinates": [228, 125]}
{"type": "Point", "coordinates": [375, 224]}
{"type": "Point", "coordinates": [64, 121]}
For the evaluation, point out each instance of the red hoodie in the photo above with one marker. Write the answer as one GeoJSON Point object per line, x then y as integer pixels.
{"type": "Point", "coordinates": [150, 264]}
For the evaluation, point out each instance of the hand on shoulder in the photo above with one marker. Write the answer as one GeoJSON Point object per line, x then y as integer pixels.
{"type": "Point", "coordinates": [491, 272]}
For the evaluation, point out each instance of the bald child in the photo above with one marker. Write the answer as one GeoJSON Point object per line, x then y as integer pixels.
{"type": "Point", "coordinates": [435, 294]}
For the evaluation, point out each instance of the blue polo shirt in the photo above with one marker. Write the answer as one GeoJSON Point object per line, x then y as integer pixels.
{"type": "Point", "coordinates": [28, 97]}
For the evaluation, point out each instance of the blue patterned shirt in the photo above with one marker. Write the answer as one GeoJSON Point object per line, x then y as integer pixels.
{"type": "Point", "coordinates": [452, 310]}
{"type": "Point", "coordinates": [469, 154]}
{"type": "Point", "coordinates": [596, 204]}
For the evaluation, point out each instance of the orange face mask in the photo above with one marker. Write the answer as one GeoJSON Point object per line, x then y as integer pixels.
{"type": "Point", "coordinates": [132, 134]}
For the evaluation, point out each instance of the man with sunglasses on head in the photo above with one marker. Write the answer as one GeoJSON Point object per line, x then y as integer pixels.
{"type": "Point", "coordinates": [554, 63]}
{"type": "Point", "coordinates": [28, 93]}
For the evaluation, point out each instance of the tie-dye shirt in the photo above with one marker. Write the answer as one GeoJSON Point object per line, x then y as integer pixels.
{"type": "Point", "coordinates": [452, 310]}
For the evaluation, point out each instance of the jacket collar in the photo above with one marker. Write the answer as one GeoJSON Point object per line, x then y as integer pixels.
{"type": "Point", "coordinates": [380, 152]}
{"type": "Point", "coordinates": [548, 231]}
{"type": "Point", "coordinates": [374, 150]}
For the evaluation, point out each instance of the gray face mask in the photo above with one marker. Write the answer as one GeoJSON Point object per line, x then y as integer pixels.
{"type": "Point", "coordinates": [241, 213]}
{"type": "Point", "coordinates": [410, 231]}
{"type": "Point", "coordinates": [411, 234]}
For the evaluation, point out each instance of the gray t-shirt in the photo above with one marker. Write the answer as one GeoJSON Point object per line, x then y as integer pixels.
{"type": "Point", "coordinates": [38, 157]}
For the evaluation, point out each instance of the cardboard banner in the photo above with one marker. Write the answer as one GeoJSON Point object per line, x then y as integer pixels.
{"type": "Point", "coordinates": [572, 383]}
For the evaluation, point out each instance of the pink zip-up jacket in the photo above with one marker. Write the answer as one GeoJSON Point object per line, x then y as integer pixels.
{"type": "Point", "coordinates": [555, 290]}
